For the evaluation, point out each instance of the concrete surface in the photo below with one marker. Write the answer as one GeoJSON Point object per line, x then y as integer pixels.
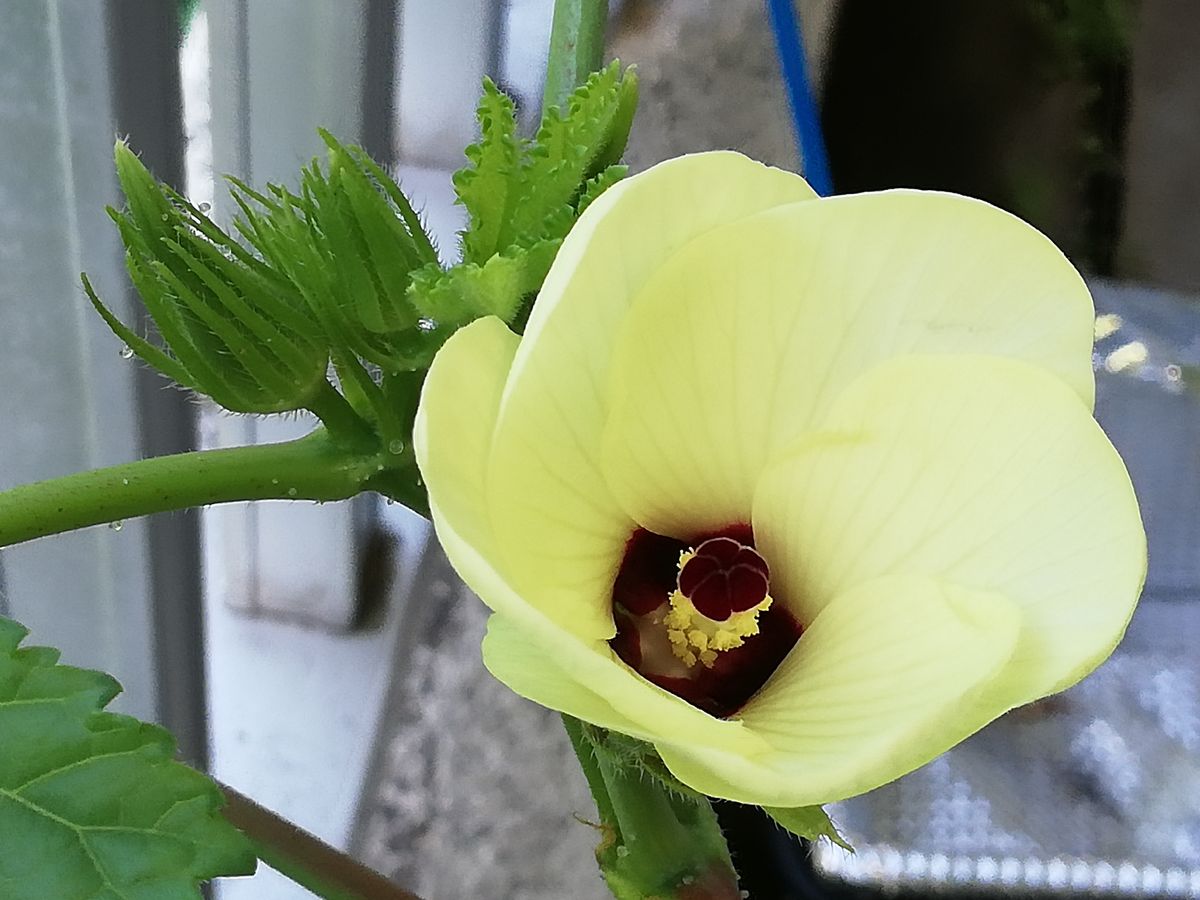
{"type": "Point", "coordinates": [475, 792]}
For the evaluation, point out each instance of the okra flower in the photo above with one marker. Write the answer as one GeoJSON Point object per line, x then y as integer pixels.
{"type": "Point", "coordinates": [802, 491]}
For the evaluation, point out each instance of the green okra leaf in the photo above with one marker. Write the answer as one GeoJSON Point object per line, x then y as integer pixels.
{"type": "Point", "coordinates": [619, 125]}
{"type": "Point", "coordinates": [599, 184]}
{"type": "Point", "coordinates": [570, 149]}
{"type": "Point", "coordinates": [93, 804]}
{"type": "Point", "coordinates": [487, 185]}
{"type": "Point", "coordinates": [521, 192]}
{"type": "Point", "coordinates": [496, 288]}
{"type": "Point", "coordinates": [523, 196]}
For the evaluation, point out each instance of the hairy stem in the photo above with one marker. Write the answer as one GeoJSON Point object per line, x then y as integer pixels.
{"type": "Point", "coordinates": [654, 841]}
{"type": "Point", "coordinates": [576, 47]}
{"type": "Point", "coordinates": [311, 468]}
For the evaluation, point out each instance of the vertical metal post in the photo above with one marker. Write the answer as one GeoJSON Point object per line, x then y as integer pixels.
{"type": "Point", "coordinates": [124, 599]}
{"type": "Point", "coordinates": [446, 49]}
{"type": "Point", "coordinates": [143, 38]}
{"type": "Point", "coordinates": [379, 80]}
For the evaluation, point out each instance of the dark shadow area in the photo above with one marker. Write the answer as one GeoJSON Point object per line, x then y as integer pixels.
{"type": "Point", "coordinates": [1021, 104]}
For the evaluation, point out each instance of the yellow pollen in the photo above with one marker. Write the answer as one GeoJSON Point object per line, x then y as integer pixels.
{"type": "Point", "coordinates": [696, 638]}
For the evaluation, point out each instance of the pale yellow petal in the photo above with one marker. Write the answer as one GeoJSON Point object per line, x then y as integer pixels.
{"type": "Point", "coordinates": [455, 419]}
{"type": "Point", "coordinates": [591, 683]}
{"type": "Point", "coordinates": [452, 436]}
{"type": "Point", "coordinates": [979, 471]}
{"type": "Point", "coordinates": [560, 531]}
{"type": "Point", "coordinates": [889, 675]}
{"type": "Point", "coordinates": [534, 650]}
{"type": "Point", "coordinates": [526, 668]}
{"type": "Point", "coordinates": [746, 335]}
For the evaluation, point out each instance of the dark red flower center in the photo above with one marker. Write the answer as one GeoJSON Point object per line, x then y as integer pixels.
{"type": "Point", "coordinates": [724, 579]}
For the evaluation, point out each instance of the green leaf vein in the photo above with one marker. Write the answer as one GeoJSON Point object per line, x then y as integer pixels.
{"type": "Point", "coordinates": [93, 805]}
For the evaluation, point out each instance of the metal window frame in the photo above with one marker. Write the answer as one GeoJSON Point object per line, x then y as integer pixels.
{"type": "Point", "coordinates": [127, 602]}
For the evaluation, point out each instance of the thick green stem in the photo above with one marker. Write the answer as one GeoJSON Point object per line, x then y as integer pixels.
{"type": "Point", "coordinates": [655, 842]}
{"type": "Point", "coordinates": [312, 468]}
{"type": "Point", "coordinates": [339, 418]}
{"type": "Point", "coordinates": [576, 47]}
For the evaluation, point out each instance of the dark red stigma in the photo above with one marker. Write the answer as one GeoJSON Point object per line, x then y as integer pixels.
{"type": "Point", "coordinates": [724, 577]}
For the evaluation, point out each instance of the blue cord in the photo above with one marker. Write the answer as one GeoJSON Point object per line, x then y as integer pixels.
{"type": "Point", "coordinates": [790, 46]}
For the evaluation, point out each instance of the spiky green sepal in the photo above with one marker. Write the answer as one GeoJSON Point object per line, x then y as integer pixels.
{"type": "Point", "coordinates": [231, 327]}
{"type": "Point", "coordinates": [349, 241]}
{"type": "Point", "coordinates": [523, 196]}
{"type": "Point", "coordinates": [808, 822]}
